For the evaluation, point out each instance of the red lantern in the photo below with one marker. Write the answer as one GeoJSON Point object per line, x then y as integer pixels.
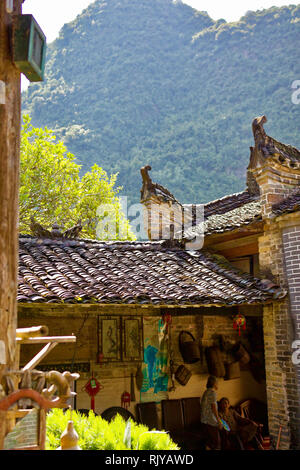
{"type": "Point", "coordinates": [92, 387]}
{"type": "Point", "coordinates": [125, 400]}
{"type": "Point", "coordinates": [239, 321]}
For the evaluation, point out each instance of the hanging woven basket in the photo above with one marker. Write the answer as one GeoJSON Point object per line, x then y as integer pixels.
{"type": "Point", "coordinates": [190, 349]}
{"type": "Point", "coordinates": [241, 354]}
{"type": "Point", "coordinates": [183, 375]}
{"type": "Point", "coordinates": [215, 362]}
{"type": "Point", "coordinates": [232, 370]}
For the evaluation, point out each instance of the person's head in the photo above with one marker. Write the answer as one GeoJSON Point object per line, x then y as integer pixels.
{"type": "Point", "coordinates": [212, 382]}
{"type": "Point", "coordinates": [224, 404]}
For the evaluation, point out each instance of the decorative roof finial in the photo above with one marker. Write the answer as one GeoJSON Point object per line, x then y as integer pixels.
{"type": "Point", "coordinates": [39, 231]}
{"type": "Point", "coordinates": [258, 129]}
{"type": "Point", "coordinates": [55, 232]}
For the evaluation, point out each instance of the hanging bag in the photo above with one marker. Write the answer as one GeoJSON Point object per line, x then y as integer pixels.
{"type": "Point", "coordinates": [215, 362]}
{"type": "Point", "coordinates": [190, 350]}
{"type": "Point", "coordinates": [241, 354]}
{"type": "Point", "coordinates": [232, 370]}
{"type": "Point", "coordinates": [182, 375]}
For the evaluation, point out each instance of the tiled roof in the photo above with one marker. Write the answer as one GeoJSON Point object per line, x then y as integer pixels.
{"type": "Point", "coordinates": [228, 213]}
{"type": "Point", "coordinates": [132, 272]}
{"type": "Point", "coordinates": [227, 203]}
{"type": "Point", "coordinates": [289, 204]}
{"type": "Point", "coordinates": [285, 152]}
{"type": "Point", "coordinates": [238, 217]}
{"type": "Point", "coordinates": [237, 209]}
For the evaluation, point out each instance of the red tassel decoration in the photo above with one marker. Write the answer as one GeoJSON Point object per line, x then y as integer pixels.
{"type": "Point", "coordinates": [239, 322]}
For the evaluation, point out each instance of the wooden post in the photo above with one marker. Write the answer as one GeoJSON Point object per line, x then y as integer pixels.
{"type": "Point", "coordinates": [10, 110]}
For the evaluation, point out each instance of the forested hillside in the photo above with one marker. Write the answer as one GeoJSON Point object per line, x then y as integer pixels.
{"type": "Point", "coordinates": [135, 82]}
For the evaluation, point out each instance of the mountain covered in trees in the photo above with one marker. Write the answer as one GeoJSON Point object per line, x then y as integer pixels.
{"type": "Point", "coordinates": [136, 82]}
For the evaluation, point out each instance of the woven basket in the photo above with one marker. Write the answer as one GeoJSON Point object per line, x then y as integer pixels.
{"type": "Point", "coordinates": [241, 354]}
{"type": "Point", "coordinates": [232, 370]}
{"type": "Point", "coordinates": [183, 375]}
{"type": "Point", "coordinates": [215, 362]}
{"type": "Point", "coordinates": [190, 350]}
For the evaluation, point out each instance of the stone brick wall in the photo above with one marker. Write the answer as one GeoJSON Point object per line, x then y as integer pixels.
{"type": "Point", "coordinates": [162, 219]}
{"type": "Point", "coordinates": [278, 261]}
{"type": "Point", "coordinates": [291, 247]}
{"type": "Point", "coordinates": [275, 183]}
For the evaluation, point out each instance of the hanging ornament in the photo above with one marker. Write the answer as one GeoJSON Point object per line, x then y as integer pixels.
{"type": "Point", "coordinates": [92, 387]}
{"type": "Point", "coordinates": [167, 318]}
{"type": "Point", "coordinates": [100, 358]}
{"type": "Point", "coordinates": [125, 400]}
{"type": "Point", "coordinates": [239, 322]}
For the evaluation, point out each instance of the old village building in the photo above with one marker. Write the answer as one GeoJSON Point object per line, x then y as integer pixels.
{"type": "Point", "coordinates": [128, 303]}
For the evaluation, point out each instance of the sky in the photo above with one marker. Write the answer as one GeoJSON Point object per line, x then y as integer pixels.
{"type": "Point", "coordinates": [51, 15]}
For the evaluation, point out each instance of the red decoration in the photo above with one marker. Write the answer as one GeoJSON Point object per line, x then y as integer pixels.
{"type": "Point", "coordinates": [125, 400]}
{"type": "Point", "coordinates": [92, 387]}
{"type": "Point", "coordinates": [167, 318]}
{"type": "Point", "coordinates": [239, 322]}
{"type": "Point", "coordinates": [100, 358]}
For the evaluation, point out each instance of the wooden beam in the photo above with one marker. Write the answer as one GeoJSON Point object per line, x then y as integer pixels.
{"type": "Point", "coordinates": [47, 339]}
{"type": "Point", "coordinates": [236, 243]}
{"type": "Point", "coordinates": [255, 229]}
{"type": "Point", "coordinates": [17, 413]}
{"type": "Point", "coordinates": [10, 117]}
{"type": "Point", "coordinates": [42, 429]}
{"type": "Point", "coordinates": [39, 357]}
{"type": "Point", "coordinates": [32, 331]}
{"type": "Point", "coordinates": [251, 249]}
{"type": "Point", "coordinates": [10, 131]}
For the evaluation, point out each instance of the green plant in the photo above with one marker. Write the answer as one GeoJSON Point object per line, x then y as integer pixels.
{"type": "Point", "coordinates": [52, 190]}
{"type": "Point", "coordinates": [97, 434]}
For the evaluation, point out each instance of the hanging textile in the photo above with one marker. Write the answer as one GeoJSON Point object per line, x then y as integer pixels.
{"type": "Point", "coordinates": [155, 366]}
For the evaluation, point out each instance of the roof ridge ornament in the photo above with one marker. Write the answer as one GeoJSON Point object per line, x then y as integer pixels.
{"type": "Point", "coordinates": [41, 232]}
{"type": "Point", "coordinates": [154, 189]}
{"type": "Point", "coordinates": [258, 130]}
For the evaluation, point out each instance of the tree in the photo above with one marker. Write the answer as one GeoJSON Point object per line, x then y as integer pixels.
{"type": "Point", "coordinates": [52, 190]}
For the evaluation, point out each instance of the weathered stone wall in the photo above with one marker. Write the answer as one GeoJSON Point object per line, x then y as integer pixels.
{"type": "Point", "coordinates": [275, 182]}
{"type": "Point", "coordinates": [115, 377]}
{"type": "Point", "coordinates": [291, 247]}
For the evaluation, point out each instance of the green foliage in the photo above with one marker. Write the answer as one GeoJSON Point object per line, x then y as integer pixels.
{"type": "Point", "coordinates": [52, 190]}
{"type": "Point", "coordinates": [137, 82]}
{"type": "Point", "coordinates": [97, 434]}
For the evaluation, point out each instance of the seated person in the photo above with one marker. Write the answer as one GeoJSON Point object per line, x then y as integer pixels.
{"type": "Point", "coordinates": [243, 431]}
